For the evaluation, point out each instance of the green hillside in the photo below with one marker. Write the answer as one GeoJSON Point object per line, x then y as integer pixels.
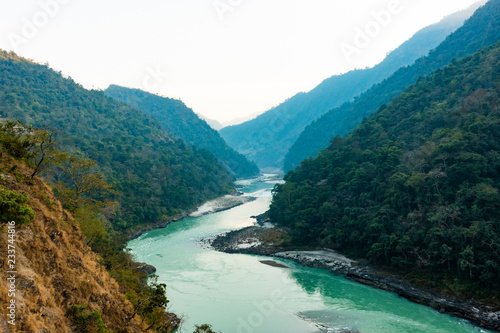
{"type": "Point", "coordinates": [416, 186]}
{"type": "Point", "coordinates": [482, 29]}
{"type": "Point", "coordinates": [181, 121]}
{"type": "Point", "coordinates": [156, 175]}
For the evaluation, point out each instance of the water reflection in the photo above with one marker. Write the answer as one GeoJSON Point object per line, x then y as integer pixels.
{"type": "Point", "coordinates": [351, 307]}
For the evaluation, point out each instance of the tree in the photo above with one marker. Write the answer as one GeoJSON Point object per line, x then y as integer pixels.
{"type": "Point", "coordinates": [36, 146]}
{"type": "Point", "coordinates": [86, 320]}
{"type": "Point", "coordinates": [205, 328]}
{"type": "Point", "coordinates": [42, 150]}
{"type": "Point", "coordinates": [466, 261]}
{"type": "Point", "coordinates": [151, 305]}
{"type": "Point", "coordinates": [14, 139]}
{"type": "Point", "coordinates": [90, 223]}
{"type": "Point", "coordinates": [87, 183]}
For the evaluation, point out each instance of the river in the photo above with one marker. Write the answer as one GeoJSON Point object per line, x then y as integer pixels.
{"type": "Point", "coordinates": [238, 294]}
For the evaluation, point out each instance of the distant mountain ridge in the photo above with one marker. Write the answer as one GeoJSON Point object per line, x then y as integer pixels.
{"type": "Point", "coordinates": [179, 120]}
{"type": "Point", "coordinates": [482, 29]}
{"type": "Point", "coordinates": [267, 138]}
{"type": "Point", "coordinates": [215, 124]}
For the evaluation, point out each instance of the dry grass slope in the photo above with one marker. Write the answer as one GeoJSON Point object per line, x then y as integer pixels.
{"type": "Point", "coordinates": [56, 269]}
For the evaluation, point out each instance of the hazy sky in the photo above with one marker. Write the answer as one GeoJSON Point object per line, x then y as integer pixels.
{"type": "Point", "coordinates": [224, 58]}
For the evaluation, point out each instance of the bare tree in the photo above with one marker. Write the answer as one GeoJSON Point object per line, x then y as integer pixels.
{"type": "Point", "coordinates": [43, 150]}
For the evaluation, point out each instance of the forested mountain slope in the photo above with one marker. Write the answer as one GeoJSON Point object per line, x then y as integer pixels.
{"type": "Point", "coordinates": [267, 138]}
{"type": "Point", "coordinates": [155, 175]}
{"type": "Point", "coordinates": [181, 121]}
{"type": "Point", "coordinates": [482, 29]}
{"type": "Point", "coordinates": [416, 186]}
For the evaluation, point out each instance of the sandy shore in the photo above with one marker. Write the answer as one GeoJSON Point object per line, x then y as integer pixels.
{"type": "Point", "coordinates": [213, 206]}
{"type": "Point", "coordinates": [220, 204]}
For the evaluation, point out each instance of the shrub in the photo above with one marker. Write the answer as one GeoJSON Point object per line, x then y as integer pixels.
{"type": "Point", "coordinates": [13, 208]}
{"type": "Point", "coordinates": [87, 321]}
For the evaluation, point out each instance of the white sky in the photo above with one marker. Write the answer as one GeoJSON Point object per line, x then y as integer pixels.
{"type": "Point", "coordinates": [225, 65]}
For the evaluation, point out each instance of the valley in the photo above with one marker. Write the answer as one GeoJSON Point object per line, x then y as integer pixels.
{"type": "Point", "coordinates": [369, 203]}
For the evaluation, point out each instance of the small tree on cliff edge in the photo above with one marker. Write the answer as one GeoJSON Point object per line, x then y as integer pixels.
{"type": "Point", "coordinates": [88, 185]}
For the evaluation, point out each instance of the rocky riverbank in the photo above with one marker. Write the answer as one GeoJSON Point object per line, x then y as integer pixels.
{"type": "Point", "coordinates": [136, 232]}
{"type": "Point", "coordinates": [270, 242]}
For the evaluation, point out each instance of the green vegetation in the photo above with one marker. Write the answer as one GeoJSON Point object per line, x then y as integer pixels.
{"type": "Point", "coordinates": [205, 328]}
{"type": "Point", "coordinates": [481, 30]}
{"type": "Point", "coordinates": [156, 175]}
{"type": "Point", "coordinates": [416, 186]}
{"type": "Point", "coordinates": [267, 138]}
{"type": "Point", "coordinates": [15, 141]}
{"type": "Point", "coordinates": [152, 307]}
{"type": "Point", "coordinates": [177, 119]}
{"type": "Point", "coordinates": [13, 207]}
{"type": "Point", "coordinates": [146, 295]}
{"type": "Point", "coordinates": [87, 321]}
{"type": "Point", "coordinates": [85, 181]}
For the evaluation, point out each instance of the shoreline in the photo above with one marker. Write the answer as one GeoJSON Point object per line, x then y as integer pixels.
{"type": "Point", "coordinates": [251, 240]}
{"type": "Point", "coordinates": [222, 200]}
{"type": "Point", "coordinates": [137, 232]}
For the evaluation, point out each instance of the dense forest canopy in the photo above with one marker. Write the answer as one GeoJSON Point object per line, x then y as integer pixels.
{"type": "Point", "coordinates": [416, 186]}
{"type": "Point", "coordinates": [155, 174]}
{"type": "Point", "coordinates": [481, 30]}
{"type": "Point", "coordinates": [179, 120]}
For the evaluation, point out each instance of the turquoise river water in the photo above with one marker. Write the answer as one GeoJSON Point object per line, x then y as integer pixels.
{"type": "Point", "coordinates": [238, 294]}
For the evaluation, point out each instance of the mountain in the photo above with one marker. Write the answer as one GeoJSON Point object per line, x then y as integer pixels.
{"type": "Point", "coordinates": [267, 138]}
{"type": "Point", "coordinates": [211, 122]}
{"type": "Point", "coordinates": [177, 119]}
{"type": "Point", "coordinates": [157, 176]}
{"type": "Point", "coordinates": [416, 187]}
{"type": "Point", "coordinates": [482, 29]}
{"type": "Point", "coordinates": [240, 120]}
